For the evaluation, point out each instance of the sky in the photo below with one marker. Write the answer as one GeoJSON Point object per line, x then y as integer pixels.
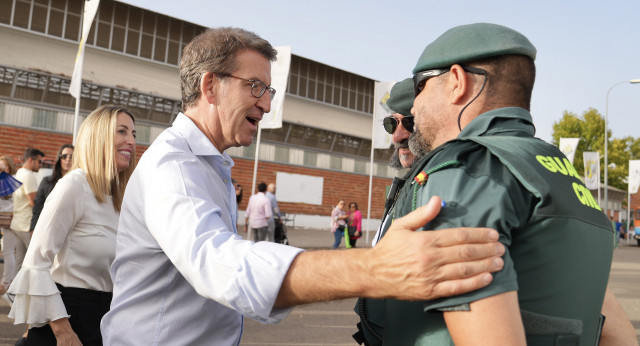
{"type": "Point", "coordinates": [584, 47]}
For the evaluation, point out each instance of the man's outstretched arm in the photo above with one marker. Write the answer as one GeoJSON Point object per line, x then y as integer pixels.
{"type": "Point", "coordinates": [404, 265]}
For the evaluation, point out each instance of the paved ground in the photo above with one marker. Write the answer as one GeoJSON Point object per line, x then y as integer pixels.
{"type": "Point", "coordinates": [333, 323]}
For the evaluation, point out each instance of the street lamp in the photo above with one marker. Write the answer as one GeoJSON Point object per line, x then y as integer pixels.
{"type": "Point", "coordinates": [606, 144]}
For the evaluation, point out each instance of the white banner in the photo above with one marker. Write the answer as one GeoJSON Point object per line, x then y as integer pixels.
{"type": "Point", "coordinates": [279, 78]}
{"type": "Point", "coordinates": [568, 147]}
{"type": "Point", "coordinates": [381, 139]}
{"type": "Point", "coordinates": [90, 9]}
{"type": "Point", "coordinates": [634, 176]}
{"type": "Point", "coordinates": [299, 188]}
{"type": "Point", "coordinates": [591, 169]}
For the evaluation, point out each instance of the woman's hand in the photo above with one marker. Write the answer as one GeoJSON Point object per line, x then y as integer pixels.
{"type": "Point", "coordinates": [65, 336]}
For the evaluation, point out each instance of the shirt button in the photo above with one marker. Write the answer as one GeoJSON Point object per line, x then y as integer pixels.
{"type": "Point", "coordinates": [226, 181]}
{"type": "Point", "coordinates": [226, 163]}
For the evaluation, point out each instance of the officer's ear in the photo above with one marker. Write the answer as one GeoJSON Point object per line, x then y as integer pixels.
{"type": "Point", "coordinates": [460, 86]}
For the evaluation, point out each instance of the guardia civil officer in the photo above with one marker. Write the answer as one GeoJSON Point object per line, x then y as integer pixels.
{"type": "Point", "coordinates": [473, 88]}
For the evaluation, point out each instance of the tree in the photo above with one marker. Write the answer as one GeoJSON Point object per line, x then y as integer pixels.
{"type": "Point", "coordinates": [589, 127]}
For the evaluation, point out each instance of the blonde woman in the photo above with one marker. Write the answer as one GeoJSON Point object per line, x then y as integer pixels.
{"type": "Point", "coordinates": [64, 287]}
{"type": "Point", "coordinates": [8, 238]}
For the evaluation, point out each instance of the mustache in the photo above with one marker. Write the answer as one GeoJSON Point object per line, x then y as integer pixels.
{"type": "Point", "coordinates": [401, 145]}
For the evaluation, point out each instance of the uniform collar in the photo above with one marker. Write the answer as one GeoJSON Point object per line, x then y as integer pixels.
{"type": "Point", "coordinates": [499, 120]}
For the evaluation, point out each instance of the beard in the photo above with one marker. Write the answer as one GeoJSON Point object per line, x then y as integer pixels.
{"type": "Point", "coordinates": [418, 144]}
{"type": "Point", "coordinates": [394, 161]}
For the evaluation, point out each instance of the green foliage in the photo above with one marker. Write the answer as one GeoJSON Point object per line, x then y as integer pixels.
{"type": "Point", "coordinates": [589, 127]}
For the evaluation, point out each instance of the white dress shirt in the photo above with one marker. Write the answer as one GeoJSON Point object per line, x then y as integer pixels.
{"type": "Point", "coordinates": [182, 275]}
{"type": "Point", "coordinates": [73, 245]}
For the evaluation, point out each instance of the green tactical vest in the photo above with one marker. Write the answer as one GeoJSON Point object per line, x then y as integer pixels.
{"type": "Point", "coordinates": [565, 213]}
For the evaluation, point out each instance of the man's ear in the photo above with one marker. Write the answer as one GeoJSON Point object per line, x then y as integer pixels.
{"type": "Point", "coordinates": [459, 85]}
{"type": "Point", "coordinates": [209, 85]}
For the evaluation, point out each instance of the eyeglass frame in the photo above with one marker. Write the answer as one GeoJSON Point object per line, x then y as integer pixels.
{"type": "Point", "coordinates": [254, 82]}
{"type": "Point", "coordinates": [394, 124]}
{"type": "Point", "coordinates": [420, 78]}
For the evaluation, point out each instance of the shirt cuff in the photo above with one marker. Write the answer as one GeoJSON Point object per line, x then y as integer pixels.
{"type": "Point", "coordinates": [259, 279]}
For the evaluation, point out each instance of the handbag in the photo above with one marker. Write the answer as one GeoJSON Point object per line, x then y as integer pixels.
{"type": "Point", "coordinates": [352, 231]}
{"type": "Point", "coordinates": [5, 219]}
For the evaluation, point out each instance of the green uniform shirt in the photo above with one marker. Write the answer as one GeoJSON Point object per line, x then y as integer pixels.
{"type": "Point", "coordinates": [559, 243]}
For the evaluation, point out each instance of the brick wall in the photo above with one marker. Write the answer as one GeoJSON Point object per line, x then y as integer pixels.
{"type": "Point", "coordinates": [337, 185]}
{"type": "Point", "coordinates": [14, 141]}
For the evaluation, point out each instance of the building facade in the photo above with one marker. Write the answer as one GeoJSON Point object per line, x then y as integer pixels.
{"type": "Point", "coordinates": [131, 58]}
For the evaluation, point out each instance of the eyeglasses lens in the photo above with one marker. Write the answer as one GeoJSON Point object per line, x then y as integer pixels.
{"type": "Point", "coordinates": [258, 88]}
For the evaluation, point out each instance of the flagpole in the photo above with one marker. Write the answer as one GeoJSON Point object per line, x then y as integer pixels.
{"type": "Point", "coordinates": [255, 161]}
{"type": "Point", "coordinates": [89, 9]}
{"type": "Point", "coordinates": [76, 116]}
{"type": "Point", "coordinates": [255, 170]}
{"type": "Point", "coordinates": [370, 180]}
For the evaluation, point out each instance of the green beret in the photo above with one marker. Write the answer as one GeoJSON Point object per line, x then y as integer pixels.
{"type": "Point", "coordinates": [401, 97]}
{"type": "Point", "coordinates": [473, 42]}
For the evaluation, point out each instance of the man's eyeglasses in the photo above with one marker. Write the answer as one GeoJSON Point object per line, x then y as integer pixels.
{"type": "Point", "coordinates": [420, 78]}
{"type": "Point", "coordinates": [257, 87]}
{"type": "Point", "coordinates": [391, 124]}
{"type": "Point", "coordinates": [65, 156]}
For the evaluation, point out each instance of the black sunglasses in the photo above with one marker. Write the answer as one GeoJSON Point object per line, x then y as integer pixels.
{"type": "Point", "coordinates": [420, 78]}
{"type": "Point", "coordinates": [391, 124]}
{"type": "Point", "coordinates": [64, 156]}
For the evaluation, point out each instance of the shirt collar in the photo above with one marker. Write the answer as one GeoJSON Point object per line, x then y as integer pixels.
{"type": "Point", "coordinates": [499, 120]}
{"type": "Point", "coordinates": [199, 143]}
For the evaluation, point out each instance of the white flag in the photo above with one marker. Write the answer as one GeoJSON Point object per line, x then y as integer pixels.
{"type": "Point", "coordinates": [90, 9]}
{"type": "Point", "coordinates": [381, 139]}
{"type": "Point", "coordinates": [568, 147]}
{"type": "Point", "coordinates": [634, 176]}
{"type": "Point", "coordinates": [279, 77]}
{"type": "Point", "coordinates": [591, 169]}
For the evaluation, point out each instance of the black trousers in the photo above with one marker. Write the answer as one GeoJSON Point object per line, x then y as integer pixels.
{"type": "Point", "coordinates": [86, 308]}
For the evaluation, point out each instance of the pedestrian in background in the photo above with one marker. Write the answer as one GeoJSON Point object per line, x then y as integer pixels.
{"type": "Point", "coordinates": [19, 235]}
{"type": "Point", "coordinates": [354, 224]}
{"type": "Point", "coordinates": [60, 168]}
{"type": "Point", "coordinates": [258, 213]}
{"type": "Point", "coordinates": [338, 223]}
{"type": "Point", "coordinates": [276, 217]}
{"type": "Point", "coordinates": [6, 206]}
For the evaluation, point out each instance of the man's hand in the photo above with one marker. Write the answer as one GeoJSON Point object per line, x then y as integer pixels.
{"type": "Point", "coordinates": [404, 265]}
{"type": "Point", "coordinates": [413, 265]}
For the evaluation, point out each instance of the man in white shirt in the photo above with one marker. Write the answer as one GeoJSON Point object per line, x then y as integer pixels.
{"type": "Point", "coordinates": [258, 213]}
{"type": "Point", "coordinates": [183, 276]}
{"type": "Point", "coordinates": [23, 202]}
{"type": "Point", "coordinates": [275, 211]}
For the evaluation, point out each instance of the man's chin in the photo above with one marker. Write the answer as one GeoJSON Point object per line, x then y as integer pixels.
{"type": "Point", "coordinates": [407, 161]}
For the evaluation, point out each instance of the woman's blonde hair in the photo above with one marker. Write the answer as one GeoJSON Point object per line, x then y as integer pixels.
{"type": "Point", "coordinates": [95, 154]}
{"type": "Point", "coordinates": [10, 163]}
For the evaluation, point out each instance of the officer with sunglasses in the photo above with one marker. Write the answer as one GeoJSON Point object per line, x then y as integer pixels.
{"type": "Point", "coordinates": [400, 123]}
{"type": "Point", "coordinates": [473, 88]}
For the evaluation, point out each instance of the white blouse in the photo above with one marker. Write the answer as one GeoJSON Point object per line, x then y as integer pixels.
{"type": "Point", "coordinates": [73, 245]}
